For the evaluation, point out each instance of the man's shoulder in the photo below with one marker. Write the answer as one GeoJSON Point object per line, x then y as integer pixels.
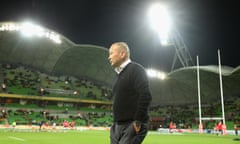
{"type": "Point", "coordinates": [135, 65]}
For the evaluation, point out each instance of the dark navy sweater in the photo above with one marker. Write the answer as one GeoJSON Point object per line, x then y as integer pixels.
{"type": "Point", "coordinates": [131, 95]}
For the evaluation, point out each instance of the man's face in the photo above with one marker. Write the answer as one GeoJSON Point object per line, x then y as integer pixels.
{"type": "Point", "coordinates": [116, 56]}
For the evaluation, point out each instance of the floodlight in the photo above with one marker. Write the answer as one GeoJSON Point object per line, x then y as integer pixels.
{"type": "Point", "coordinates": [29, 29]}
{"type": "Point", "coordinates": [156, 74]}
{"type": "Point", "coordinates": [9, 27]}
{"type": "Point", "coordinates": [160, 21]}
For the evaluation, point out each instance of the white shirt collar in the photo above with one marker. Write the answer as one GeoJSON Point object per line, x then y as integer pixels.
{"type": "Point", "coordinates": [122, 66]}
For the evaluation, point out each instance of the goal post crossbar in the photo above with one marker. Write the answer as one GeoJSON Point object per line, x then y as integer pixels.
{"type": "Point", "coordinates": [211, 118]}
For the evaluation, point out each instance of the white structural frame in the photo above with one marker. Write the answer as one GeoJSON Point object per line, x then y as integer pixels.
{"type": "Point", "coordinates": [221, 92]}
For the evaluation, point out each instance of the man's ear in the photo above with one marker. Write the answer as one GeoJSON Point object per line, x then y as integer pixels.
{"type": "Point", "coordinates": [123, 54]}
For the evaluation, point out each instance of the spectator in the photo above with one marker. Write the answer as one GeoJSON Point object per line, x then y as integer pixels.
{"type": "Point", "coordinates": [171, 127]}
{"type": "Point", "coordinates": [220, 128]}
{"type": "Point", "coordinates": [236, 129]}
{"type": "Point", "coordinates": [4, 87]}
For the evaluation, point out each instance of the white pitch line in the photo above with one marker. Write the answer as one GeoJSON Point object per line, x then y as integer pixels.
{"type": "Point", "coordinates": [16, 138]}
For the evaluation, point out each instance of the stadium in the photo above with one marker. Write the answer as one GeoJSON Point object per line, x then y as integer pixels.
{"type": "Point", "coordinates": [46, 78]}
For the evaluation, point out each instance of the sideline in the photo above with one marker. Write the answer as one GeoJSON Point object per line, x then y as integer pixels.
{"type": "Point", "coordinates": [16, 138]}
{"type": "Point", "coordinates": [35, 128]}
{"type": "Point", "coordinates": [163, 133]}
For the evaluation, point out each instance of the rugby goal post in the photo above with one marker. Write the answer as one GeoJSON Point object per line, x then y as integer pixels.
{"type": "Point", "coordinates": [222, 102]}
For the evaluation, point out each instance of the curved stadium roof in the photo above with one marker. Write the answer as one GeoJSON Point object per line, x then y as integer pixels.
{"type": "Point", "coordinates": [181, 88]}
{"type": "Point", "coordinates": [44, 54]}
{"type": "Point", "coordinates": [90, 61]}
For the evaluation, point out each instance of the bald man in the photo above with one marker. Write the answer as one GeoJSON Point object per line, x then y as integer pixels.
{"type": "Point", "coordinates": [131, 95]}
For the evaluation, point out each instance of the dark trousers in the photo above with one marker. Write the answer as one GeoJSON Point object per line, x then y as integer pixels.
{"type": "Point", "coordinates": [125, 133]}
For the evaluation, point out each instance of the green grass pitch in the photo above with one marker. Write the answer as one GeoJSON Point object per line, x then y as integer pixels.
{"type": "Point", "coordinates": [102, 137]}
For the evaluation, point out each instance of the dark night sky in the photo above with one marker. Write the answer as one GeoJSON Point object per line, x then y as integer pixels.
{"type": "Point", "coordinates": [205, 26]}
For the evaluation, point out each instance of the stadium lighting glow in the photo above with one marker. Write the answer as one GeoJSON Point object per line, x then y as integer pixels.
{"type": "Point", "coordinates": [160, 21]}
{"type": "Point", "coordinates": [29, 29]}
{"type": "Point", "coordinates": [9, 27]}
{"type": "Point", "coordinates": [156, 74]}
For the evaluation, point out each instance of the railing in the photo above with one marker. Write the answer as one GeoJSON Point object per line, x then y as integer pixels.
{"type": "Point", "coordinates": [59, 91]}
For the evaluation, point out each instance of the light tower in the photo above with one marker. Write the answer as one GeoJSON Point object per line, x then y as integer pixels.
{"type": "Point", "coordinates": [169, 35]}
